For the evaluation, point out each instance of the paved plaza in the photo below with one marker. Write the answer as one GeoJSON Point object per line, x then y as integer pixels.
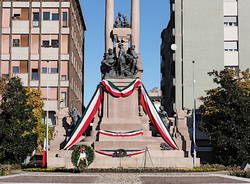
{"type": "Point", "coordinates": [121, 178]}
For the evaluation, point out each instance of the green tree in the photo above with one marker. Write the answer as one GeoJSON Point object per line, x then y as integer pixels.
{"type": "Point", "coordinates": [35, 101]}
{"type": "Point", "coordinates": [17, 123]}
{"type": "Point", "coordinates": [226, 116]}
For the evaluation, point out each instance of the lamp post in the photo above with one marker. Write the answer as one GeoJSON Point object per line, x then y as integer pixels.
{"type": "Point", "coordinates": [194, 127]}
{"type": "Point", "coordinates": [47, 113]}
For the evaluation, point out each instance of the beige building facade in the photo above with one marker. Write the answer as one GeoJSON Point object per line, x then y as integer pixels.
{"type": "Point", "coordinates": [42, 42]}
{"type": "Point", "coordinates": [213, 34]}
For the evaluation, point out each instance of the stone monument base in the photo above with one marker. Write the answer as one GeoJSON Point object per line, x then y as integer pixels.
{"type": "Point", "coordinates": [125, 115]}
{"type": "Point", "coordinates": [154, 158]}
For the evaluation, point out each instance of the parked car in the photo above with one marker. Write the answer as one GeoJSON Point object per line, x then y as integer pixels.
{"type": "Point", "coordinates": [35, 162]}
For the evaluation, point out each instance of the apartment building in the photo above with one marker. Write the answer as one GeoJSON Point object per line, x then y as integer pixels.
{"type": "Point", "coordinates": [42, 42]}
{"type": "Point", "coordinates": [213, 34]}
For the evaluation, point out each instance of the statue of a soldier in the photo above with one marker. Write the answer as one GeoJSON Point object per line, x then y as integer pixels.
{"type": "Point", "coordinates": [108, 64]}
{"type": "Point", "coordinates": [132, 57]}
{"type": "Point", "coordinates": [74, 115]}
{"type": "Point", "coordinates": [164, 116]}
{"type": "Point", "coordinates": [122, 60]}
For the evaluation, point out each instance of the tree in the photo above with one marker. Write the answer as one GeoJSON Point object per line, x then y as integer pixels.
{"type": "Point", "coordinates": [19, 116]}
{"type": "Point", "coordinates": [3, 81]}
{"type": "Point", "coordinates": [226, 116]}
{"type": "Point", "coordinates": [35, 101]}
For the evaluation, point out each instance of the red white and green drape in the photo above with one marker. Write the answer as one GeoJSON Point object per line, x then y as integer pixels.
{"type": "Point", "coordinates": [113, 90]}
{"type": "Point", "coordinates": [121, 134]}
{"type": "Point", "coordinates": [128, 152]}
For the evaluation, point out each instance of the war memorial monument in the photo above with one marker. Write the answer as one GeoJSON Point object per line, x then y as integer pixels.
{"type": "Point", "coordinates": [121, 123]}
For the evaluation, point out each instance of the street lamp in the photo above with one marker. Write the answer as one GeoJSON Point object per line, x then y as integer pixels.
{"type": "Point", "coordinates": [47, 113]}
{"type": "Point", "coordinates": [194, 127]}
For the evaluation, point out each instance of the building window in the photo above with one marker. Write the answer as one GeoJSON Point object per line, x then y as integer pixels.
{"type": "Point", "coordinates": [5, 75]}
{"type": "Point", "coordinates": [63, 99]}
{"type": "Point", "coordinates": [54, 70]}
{"type": "Point", "coordinates": [54, 43]}
{"type": "Point", "coordinates": [45, 43]}
{"type": "Point", "coordinates": [16, 69]}
{"type": "Point", "coordinates": [231, 21]}
{"type": "Point", "coordinates": [65, 19]}
{"type": "Point", "coordinates": [235, 68]}
{"type": "Point", "coordinates": [16, 16]}
{"type": "Point", "coordinates": [46, 15]}
{"type": "Point", "coordinates": [36, 18]}
{"type": "Point", "coordinates": [64, 77]}
{"type": "Point", "coordinates": [34, 75]}
{"type": "Point", "coordinates": [55, 16]}
{"type": "Point", "coordinates": [16, 42]}
{"type": "Point", "coordinates": [231, 46]}
{"type": "Point", "coordinates": [44, 69]}
{"type": "Point", "coordinates": [232, 67]}
{"type": "Point", "coordinates": [20, 14]}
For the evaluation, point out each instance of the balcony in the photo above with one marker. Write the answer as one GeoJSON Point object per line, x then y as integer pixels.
{"type": "Point", "coordinates": [20, 26]}
{"type": "Point", "coordinates": [49, 79]}
{"type": "Point", "coordinates": [49, 53]}
{"type": "Point", "coordinates": [50, 27]}
{"type": "Point", "coordinates": [231, 33]}
{"type": "Point", "coordinates": [231, 58]}
{"type": "Point", "coordinates": [34, 83]}
{"type": "Point", "coordinates": [5, 56]}
{"type": "Point", "coordinates": [24, 77]}
{"type": "Point", "coordinates": [50, 105]}
{"type": "Point", "coordinates": [6, 30]}
{"type": "Point", "coordinates": [64, 83]}
{"type": "Point", "coordinates": [230, 8]}
{"type": "Point", "coordinates": [20, 53]}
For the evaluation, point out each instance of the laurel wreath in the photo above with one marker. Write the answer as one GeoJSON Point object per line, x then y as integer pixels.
{"type": "Point", "coordinates": [76, 153]}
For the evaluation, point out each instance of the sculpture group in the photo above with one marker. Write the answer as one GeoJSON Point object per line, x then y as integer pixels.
{"type": "Point", "coordinates": [120, 61]}
{"type": "Point", "coordinates": [123, 65]}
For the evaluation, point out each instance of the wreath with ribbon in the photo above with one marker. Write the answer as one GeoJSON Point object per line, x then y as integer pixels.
{"type": "Point", "coordinates": [82, 156]}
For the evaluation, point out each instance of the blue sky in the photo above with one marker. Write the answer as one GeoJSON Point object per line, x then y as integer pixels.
{"type": "Point", "coordinates": [154, 18]}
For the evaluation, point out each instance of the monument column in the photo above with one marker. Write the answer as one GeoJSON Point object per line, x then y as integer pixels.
{"type": "Point", "coordinates": [109, 24]}
{"type": "Point", "coordinates": [135, 24]}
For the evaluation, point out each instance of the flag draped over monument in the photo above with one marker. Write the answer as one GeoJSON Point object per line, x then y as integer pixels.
{"type": "Point", "coordinates": [107, 86]}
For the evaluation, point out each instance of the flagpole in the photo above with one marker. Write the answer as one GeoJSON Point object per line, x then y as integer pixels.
{"type": "Point", "coordinates": [194, 125]}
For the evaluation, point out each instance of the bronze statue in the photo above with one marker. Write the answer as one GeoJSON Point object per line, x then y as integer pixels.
{"type": "Point", "coordinates": [132, 57]}
{"type": "Point", "coordinates": [122, 60]}
{"type": "Point", "coordinates": [118, 21]}
{"type": "Point", "coordinates": [121, 21]}
{"type": "Point", "coordinates": [108, 65]}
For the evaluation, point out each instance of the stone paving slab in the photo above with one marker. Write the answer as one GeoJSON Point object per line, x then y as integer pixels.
{"type": "Point", "coordinates": [187, 180]}
{"type": "Point", "coordinates": [50, 179]}
{"type": "Point", "coordinates": [121, 178]}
